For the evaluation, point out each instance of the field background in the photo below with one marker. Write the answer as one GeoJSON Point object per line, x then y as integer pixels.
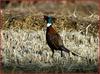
{"type": "Point", "coordinates": [23, 32]}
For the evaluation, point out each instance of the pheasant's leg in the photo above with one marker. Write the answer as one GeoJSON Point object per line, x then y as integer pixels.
{"type": "Point", "coordinates": [61, 53]}
{"type": "Point", "coordinates": [52, 53]}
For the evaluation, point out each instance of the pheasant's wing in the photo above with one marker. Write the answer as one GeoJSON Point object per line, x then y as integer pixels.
{"type": "Point", "coordinates": [56, 40]}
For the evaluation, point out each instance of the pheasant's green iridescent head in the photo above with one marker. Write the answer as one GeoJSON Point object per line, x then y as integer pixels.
{"type": "Point", "coordinates": [49, 20]}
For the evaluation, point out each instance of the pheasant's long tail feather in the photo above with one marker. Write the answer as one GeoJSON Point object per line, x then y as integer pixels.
{"type": "Point", "coordinates": [68, 51]}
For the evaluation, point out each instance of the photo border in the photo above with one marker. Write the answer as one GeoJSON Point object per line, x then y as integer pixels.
{"type": "Point", "coordinates": [21, 72]}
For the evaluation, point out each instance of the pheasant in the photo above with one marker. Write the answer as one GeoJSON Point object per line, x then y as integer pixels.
{"type": "Point", "coordinates": [53, 38]}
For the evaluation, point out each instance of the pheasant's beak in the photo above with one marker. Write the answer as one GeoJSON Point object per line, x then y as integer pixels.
{"type": "Point", "coordinates": [44, 18]}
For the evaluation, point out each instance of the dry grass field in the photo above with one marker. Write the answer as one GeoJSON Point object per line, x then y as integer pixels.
{"type": "Point", "coordinates": [23, 40]}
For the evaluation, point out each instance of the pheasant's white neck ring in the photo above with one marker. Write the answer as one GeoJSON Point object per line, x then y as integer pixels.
{"type": "Point", "coordinates": [49, 24]}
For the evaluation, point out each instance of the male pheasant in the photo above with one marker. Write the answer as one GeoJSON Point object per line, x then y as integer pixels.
{"type": "Point", "coordinates": [53, 38]}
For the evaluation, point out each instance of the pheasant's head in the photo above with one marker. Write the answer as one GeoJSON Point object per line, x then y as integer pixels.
{"type": "Point", "coordinates": [49, 20]}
